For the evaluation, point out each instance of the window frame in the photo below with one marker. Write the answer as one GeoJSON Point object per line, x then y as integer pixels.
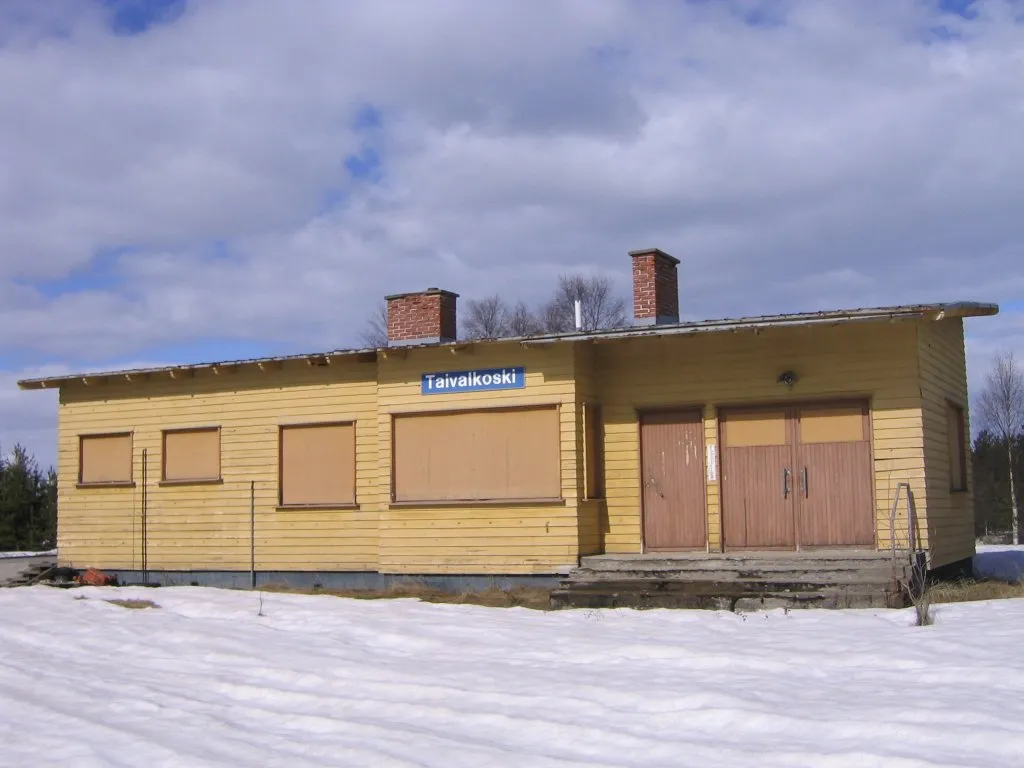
{"type": "Point", "coordinates": [129, 483]}
{"type": "Point", "coordinates": [593, 452]}
{"type": "Point", "coordinates": [281, 428]}
{"type": "Point", "coordinates": [555, 406]}
{"type": "Point", "coordinates": [959, 413]}
{"type": "Point", "coordinates": [212, 480]}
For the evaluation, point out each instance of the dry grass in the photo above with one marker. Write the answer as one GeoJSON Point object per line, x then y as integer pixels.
{"type": "Point", "coordinates": [968, 590]}
{"type": "Point", "coordinates": [534, 598]}
{"type": "Point", "coordinates": [133, 604]}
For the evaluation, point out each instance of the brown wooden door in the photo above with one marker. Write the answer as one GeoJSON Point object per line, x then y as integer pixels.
{"type": "Point", "coordinates": [672, 467]}
{"type": "Point", "coordinates": [757, 482]}
{"type": "Point", "coordinates": [835, 505]}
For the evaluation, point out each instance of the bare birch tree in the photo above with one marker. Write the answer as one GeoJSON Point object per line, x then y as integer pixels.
{"type": "Point", "coordinates": [523, 322]}
{"type": "Point", "coordinates": [486, 318]}
{"type": "Point", "coordinates": [1001, 407]}
{"type": "Point", "coordinates": [375, 334]}
{"type": "Point", "coordinates": [601, 307]}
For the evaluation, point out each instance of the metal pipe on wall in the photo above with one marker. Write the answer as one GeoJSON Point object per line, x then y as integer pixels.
{"type": "Point", "coordinates": [252, 534]}
{"type": "Point", "coordinates": [145, 531]}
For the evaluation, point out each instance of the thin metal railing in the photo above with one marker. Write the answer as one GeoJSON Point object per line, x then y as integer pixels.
{"type": "Point", "coordinates": [914, 580]}
{"type": "Point", "coordinates": [911, 539]}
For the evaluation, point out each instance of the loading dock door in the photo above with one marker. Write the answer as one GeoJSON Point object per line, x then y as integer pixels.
{"type": "Point", "coordinates": [797, 477]}
{"type": "Point", "coordinates": [757, 480]}
{"type": "Point", "coordinates": [834, 484]}
{"type": "Point", "coordinates": [672, 467]}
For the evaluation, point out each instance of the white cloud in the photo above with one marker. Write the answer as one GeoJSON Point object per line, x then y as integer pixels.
{"type": "Point", "coordinates": [838, 154]}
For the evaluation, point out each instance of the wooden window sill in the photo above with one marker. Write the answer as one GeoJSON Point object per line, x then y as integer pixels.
{"type": "Point", "coordinates": [558, 500]}
{"type": "Point", "coordinates": [115, 484]}
{"type": "Point", "coordinates": [198, 481]}
{"type": "Point", "coordinates": [316, 507]}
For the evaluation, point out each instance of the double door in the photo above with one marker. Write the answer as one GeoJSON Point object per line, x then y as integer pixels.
{"type": "Point", "coordinates": [797, 477]}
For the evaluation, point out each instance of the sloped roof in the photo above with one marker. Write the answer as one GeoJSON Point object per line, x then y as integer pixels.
{"type": "Point", "coordinates": [830, 317]}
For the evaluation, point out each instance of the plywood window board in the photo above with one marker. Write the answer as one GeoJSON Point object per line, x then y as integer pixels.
{"type": "Point", "coordinates": [317, 465]}
{"type": "Point", "coordinates": [956, 440]}
{"type": "Point", "coordinates": [105, 459]}
{"type": "Point", "coordinates": [485, 455]}
{"type": "Point", "coordinates": [593, 455]}
{"type": "Point", "coordinates": [741, 429]}
{"type": "Point", "coordinates": [191, 455]}
{"type": "Point", "coordinates": [833, 425]}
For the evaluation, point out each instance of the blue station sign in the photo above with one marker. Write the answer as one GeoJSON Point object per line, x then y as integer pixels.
{"type": "Point", "coordinates": [481, 380]}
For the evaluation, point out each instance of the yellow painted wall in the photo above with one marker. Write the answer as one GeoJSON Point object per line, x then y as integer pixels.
{"type": "Point", "coordinates": [495, 539]}
{"type": "Point", "coordinates": [950, 514]}
{"type": "Point", "coordinates": [876, 360]}
{"type": "Point", "coordinates": [900, 366]}
{"type": "Point", "coordinates": [207, 526]}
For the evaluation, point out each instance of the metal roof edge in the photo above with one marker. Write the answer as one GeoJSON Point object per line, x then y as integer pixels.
{"type": "Point", "coordinates": [907, 311]}
{"type": "Point", "coordinates": [866, 314]}
{"type": "Point", "coordinates": [48, 381]}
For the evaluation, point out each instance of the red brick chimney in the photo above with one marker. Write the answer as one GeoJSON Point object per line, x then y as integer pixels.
{"type": "Point", "coordinates": [421, 318]}
{"type": "Point", "coordinates": [655, 287]}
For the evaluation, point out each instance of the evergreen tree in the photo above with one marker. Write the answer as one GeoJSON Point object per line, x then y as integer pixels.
{"type": "Point", "coordinates": [993, 512]}
{"type": "Point", "coordinates": [28, 503]}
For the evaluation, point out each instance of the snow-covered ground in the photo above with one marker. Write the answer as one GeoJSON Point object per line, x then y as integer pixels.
{"type": "Point", "coordinates": [27, 554]}
{"type": "Point", "coordinates": [316, 681]}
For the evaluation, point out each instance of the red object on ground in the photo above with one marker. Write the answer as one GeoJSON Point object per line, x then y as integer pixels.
{"type": "Point", "coordinates": [94, 578]}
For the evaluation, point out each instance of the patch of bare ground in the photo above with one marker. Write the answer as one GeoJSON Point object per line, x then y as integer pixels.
{"type": "Point", "coordinates": [534, 598]}
{"type": "Point", "coordinates": [133, 604]}
{"type": "Point", "coordinates": [969, 590]}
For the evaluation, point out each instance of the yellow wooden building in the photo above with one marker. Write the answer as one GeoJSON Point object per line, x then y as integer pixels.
{"type": "Point", "coordinates": [435, 457]}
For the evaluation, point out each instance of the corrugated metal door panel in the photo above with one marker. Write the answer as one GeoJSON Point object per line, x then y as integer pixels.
{"type": "Point", "coordinates": [834, 499]}
{"type": "Point", "coordinates": [672, 456]}
{"type": "Point", "coordinates": [757, 482]}
{"type": "Point", "coordinates": [757, 508]}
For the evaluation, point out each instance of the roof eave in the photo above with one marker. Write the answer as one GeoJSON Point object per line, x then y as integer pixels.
{"type": "Point", "coordinates": [174, 371]}
{"type": "Point", "coordinates": [836, 317]}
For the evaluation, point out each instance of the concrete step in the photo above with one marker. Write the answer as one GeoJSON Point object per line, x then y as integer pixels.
{"type": "Point", "coordinates": [17, 571]}
{"type": "Point", "coordinates": [717, 596]}
{"type": "Point", "coordinates": [846, 578]}
{"type": "Point", "coordinates": [723, 563]}
{"type": "Point", "coordinates": [727, 567]}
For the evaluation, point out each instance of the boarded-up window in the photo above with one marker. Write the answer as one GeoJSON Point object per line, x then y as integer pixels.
{"type": "Point", "coordinates": [477, 456]}
{"type": "Point", "coordinates": [748, 428]}
{"type": "Point", "coordinates": [192, 454]}
{"type": "Point", "coordinates": [833, 425]}
{"type": "Point", "coordinates": [956, 441]}
{"type": "Point", "coordinates": [105, 459]}
{"type": "Point", "coordinates": [593, 451]}
{"type": "Point", "coordinates": [318, 465]}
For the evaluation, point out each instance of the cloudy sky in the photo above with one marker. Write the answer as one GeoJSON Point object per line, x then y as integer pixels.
{"type": "Point", "coordinates": [229, 178]}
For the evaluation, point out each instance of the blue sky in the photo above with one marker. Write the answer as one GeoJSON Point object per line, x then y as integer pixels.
{"type": "Point", "coordinates": [225, 179]}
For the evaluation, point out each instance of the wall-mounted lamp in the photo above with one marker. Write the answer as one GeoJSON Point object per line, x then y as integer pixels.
{"type": "Point", "coordinates": [787, 377]}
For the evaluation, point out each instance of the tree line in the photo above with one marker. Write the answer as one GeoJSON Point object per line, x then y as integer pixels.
{"type": "Point", "coordinates": [28, 504]}
{"type": "Point", "coordinates": [997, 454]}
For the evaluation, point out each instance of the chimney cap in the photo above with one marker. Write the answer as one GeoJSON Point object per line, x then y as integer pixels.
{"type": "Point", "coordinates": [654, 252]}
{"type": "Point", "coordinates": [428, 292]}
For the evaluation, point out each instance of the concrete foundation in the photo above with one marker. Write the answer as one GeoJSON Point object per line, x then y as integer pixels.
{"type": "Point", "coordinates": [340, 580]}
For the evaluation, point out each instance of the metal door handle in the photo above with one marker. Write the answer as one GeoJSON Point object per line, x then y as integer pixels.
{"type": "Point", "coordinates": [803, 483]}
{"type": "Point", "coordinates": [785, 483]}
